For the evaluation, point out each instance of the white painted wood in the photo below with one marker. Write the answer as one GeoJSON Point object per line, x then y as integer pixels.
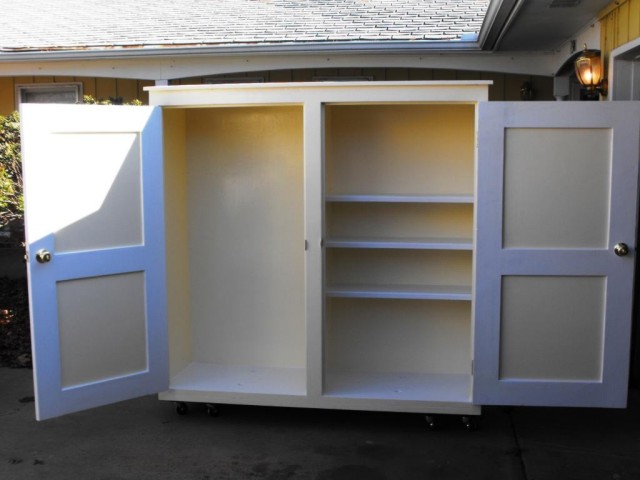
{"type": "Point", "coordinates": [400, 198]}
{"type": "Point", "coordinates": [346, 93]}
{"type": "Point", "coordinates": [414, 292]}
{"type": "Point", "coordinates": [400, 149]}
{"type": "Point", "coordinates": [402, 243]}
{"type": "Point", "coordinates": [370, 336]}
{"type": "Point", "coordinates": [246, 235]}
{"type": "Point", "coordinates": [241, 379]}
{"type": "Point", "coordinates": [568, 309]}
{"type": "Point", "coordinates": [624, 72]}
{"type": "Point", "coordinates": [94, 316]}
{"type": "Point", "coordinates": [557, 188]}
{"type": "Point", "coordinates": [111, 211]}
{"type": "Point", "coordinates": [176, 190]}
{"type": "Point", "coordinates": [454, 388]}
{"type": "Point", "coordinates": [399, 221]}
{"type": "Point", "coordinates": [400, 225]}
{"type": "Point", "coordinates": [97, 288]}
{"type": "Point", "coordinates": [158, 64]}
{"type": "Point", "coordinates": [353, 266]}
{"type": "Point", "coordinates": [499, 309]}
{"type": "Point", "coordinates": [314, 214]}
{"type": "Point", "coordinates": [377, 392]}
{"type": "Point", "coordinates": [248, 281]}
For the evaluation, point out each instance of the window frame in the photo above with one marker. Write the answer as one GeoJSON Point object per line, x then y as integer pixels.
{"type": "Point", "coordinates": [22, 88]}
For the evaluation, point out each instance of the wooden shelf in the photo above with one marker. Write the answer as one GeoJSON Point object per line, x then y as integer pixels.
{"type": "Point", "coordinates": [408, 292]}
{"type": "Point", "coordinates": [402, 243]}
{"type": "Point", "coordinates": [207, 377]}
{"type": "Point", "coordinates": [399, 386]}
{"type": "Point", "coordinates": [466, 199]}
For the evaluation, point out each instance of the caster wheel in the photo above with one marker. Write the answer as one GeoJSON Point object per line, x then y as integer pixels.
{"type": "Point", "coordinates": [469, 423]}
{"type": "Point", "coordinates": [431, 422]}
{"type": "Point", "coordinates": [212, 410]}
{"type": "Point", "coordinates": [181, 408]}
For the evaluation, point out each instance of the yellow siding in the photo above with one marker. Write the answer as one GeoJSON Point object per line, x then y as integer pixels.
{"type": "Point", "coordinates": [88, 85]}
{"type": "Point", "coordinates": [421, 74]}
{"type": "Point", "coordinates": [623, 27]}
{"type": "Point", "coordinates": [505, 87]}
{"type": "Point", "coordinates": [375, 73]}
{"type": "Point", "coordinates": [634, 19]}
{"type": "Point", "coordinates": [106, 87]}
{"type": "Point", "coordinates": [43, 79]}
{"type": "Point", "coordinates": [619, 24]}
{"type": "Point", "coordinates": [99, 88]}
{"type": "Point", "coordinates": [7, 101]}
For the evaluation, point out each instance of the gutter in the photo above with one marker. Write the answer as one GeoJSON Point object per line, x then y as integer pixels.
{"type": "Point", "coordinates": [467, 44]}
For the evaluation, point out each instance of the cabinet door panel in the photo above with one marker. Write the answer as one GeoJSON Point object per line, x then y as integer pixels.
{"type": "Point", "coordinates": [93, 192]}
{"type": "Point", "coordinates": [557, 190]}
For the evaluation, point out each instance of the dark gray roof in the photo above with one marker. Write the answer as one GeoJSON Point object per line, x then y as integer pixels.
{"type": "Point", "coordinates": [36, 25]}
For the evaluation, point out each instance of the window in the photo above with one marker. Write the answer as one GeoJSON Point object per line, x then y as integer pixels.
{"type": "Point", "coordinates": [49, 93]}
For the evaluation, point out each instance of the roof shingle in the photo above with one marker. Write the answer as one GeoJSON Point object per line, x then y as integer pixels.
{"type": "Point", "coordinates": [32, 25]}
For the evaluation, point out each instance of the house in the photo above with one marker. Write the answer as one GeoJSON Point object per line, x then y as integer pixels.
{"type": "Point", "coordinates": [66, 49]}
{"type": "Point", "coordinates": [525, 48]}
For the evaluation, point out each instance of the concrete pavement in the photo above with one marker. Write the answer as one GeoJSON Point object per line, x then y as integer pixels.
{"type": "Point", "coordinates": [145, 439]}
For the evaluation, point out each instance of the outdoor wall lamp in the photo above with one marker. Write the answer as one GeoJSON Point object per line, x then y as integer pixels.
{"type": "Point", "coordinates": [589, 71]}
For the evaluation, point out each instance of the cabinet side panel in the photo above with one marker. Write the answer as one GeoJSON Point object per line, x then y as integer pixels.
{"type": "Point", "coordinates": [178, 295]}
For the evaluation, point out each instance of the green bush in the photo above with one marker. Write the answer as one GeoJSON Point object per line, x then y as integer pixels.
{"type": "Point", "coordinates": [11, 200]}
{"type": "Point", "coordinates": [89, 100]}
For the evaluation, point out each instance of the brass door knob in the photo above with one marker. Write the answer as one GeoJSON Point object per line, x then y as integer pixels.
{"type": "Point", "coordinates": [43, 256]}
{"type": "Point", "coordinates": [621, 249]}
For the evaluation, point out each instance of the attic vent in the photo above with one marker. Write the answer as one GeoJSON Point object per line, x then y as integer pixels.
{"type": "Point", "coordinates": [564, 3]}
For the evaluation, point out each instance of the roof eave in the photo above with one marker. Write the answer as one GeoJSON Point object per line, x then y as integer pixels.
{"type": "Point", "coordinates": [468, 44]}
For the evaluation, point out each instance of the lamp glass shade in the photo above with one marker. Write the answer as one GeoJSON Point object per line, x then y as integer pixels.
{"type": "Point", "coordinates": [589, 68]}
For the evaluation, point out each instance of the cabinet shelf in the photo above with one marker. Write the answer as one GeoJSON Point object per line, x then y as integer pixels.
{"type": "Point", "coordinates": [362, 198]}
{"type": "Point", "coordinates": [207, 377]}
{"type": "Point", "coordinates": [399, 386]}
{"type": "Point", "coordinates": [402, 243]}
{"type": "Point", "coordinates": [408, 292]}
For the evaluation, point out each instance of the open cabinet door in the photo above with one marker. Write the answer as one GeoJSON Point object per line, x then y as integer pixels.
{"type": "Point", "coordinates": [556, 245]}
{"type": "Point", "coordinates": [95, 236]}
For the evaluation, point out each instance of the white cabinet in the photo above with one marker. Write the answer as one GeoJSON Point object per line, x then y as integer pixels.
{"type": "Point", "coordinates": [379, 246]}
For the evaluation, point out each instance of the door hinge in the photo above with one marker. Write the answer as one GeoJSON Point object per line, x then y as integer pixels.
{"type": "Point", "coordinates": [306, 245]}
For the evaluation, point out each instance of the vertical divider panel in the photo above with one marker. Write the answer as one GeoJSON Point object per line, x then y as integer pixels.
{"type": "Point", "coordinates": [313, 198]}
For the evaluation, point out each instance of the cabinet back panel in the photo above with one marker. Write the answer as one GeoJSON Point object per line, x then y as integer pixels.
{"type": "Point", "coordinates": [246, 235]}
{"type": "Point", "coordinates": [398, 267]}
{"type": "Point", "coordinates": [408, 336]}
{"type": "Point", "coordinates": [399, 149]}
{"type": "Point", "coordinates": [399, 220]}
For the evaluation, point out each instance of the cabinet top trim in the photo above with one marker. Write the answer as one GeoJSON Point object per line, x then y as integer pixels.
{"type": "Point", "coordinates": [319, 92]}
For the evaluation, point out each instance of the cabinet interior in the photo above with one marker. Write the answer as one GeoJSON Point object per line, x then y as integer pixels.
{"type": "Point", "coordinates": [397, 221]}
{"type": "Point", "coordinates": [235, 234]}
{"type": "Point", "coordinates": [399, 183]}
